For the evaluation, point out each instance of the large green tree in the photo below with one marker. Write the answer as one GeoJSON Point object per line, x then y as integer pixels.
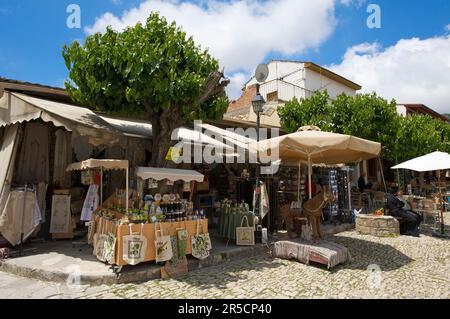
{"type": "Point", "coordinates": [371, 117]}
{"type": "Point", "coordinates": [421, 134]}
{"type": "Point", "coordinates": [152, 69]}
{"type": "Point", "coordinates": [364, 115]}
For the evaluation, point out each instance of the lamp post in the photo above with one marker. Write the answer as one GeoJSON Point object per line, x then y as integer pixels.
{"type": "Point", "coordinates": [258, 107]}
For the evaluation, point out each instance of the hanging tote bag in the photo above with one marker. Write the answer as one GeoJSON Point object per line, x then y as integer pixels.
{"type": "Point", "coordinates": [163, 245]}
{"type": "Point", "coordinates": [98, 232]}
{"type": "Point", "coordinates": [245, 236]}
{"type": "Point", "coordinates": [101, 243]}
{"type": "Point", "coordinates": [201, 244]}
{"type": "Point", "coordinates": [134, 247]}
{"type": "Point", "coordinates": [110, 245]}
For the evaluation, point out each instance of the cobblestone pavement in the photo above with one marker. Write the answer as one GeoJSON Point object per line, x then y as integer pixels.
{"type": "Point", "coordinates": [402, 267]}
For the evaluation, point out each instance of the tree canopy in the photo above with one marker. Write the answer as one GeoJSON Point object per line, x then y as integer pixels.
{"type": "Point", "coordinates": [371, 117]}
{"type": "Point", "coordinates": [152, 69]}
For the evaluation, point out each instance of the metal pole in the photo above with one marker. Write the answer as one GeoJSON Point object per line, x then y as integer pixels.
{"type": "Point", "coordinates": [309, 176]}
{"type": "Point", "coordinates": [382, 174]}
{"type": "Point", "coordinates": [257, 190]}
{"type": "Point", "coordinates": [442, 204]}
{"type": "Point", "coordinates": [298, 182]}
{"type": "Point", "coordinates": [126, 192]}
{"type": "Point", "coordinates": [101, 185]}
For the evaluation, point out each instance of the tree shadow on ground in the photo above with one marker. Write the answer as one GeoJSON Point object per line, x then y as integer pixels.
{"type": "Point", "coordinates": [220, 275]}
{"type": "Point", "coordinates": [365, 253]}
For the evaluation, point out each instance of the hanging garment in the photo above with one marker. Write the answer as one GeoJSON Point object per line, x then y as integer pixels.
{"type": "Point", "coordinates": [63, 157]}
{"type": "Point", "coordinates": [263, 204]}
{"type": "Point", "coordinates": [21, 215]}
{"type": "Point", "coordinates": [33, 163]}
{"type": "Point", "coordinates": [10, 145]}
{"type": "Point", "coordinates": [91, 203]}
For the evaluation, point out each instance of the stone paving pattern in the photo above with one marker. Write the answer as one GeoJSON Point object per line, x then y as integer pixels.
{"type": "Point", "coordinates": [409, 268]}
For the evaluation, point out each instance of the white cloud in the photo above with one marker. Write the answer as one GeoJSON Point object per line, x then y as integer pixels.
{"type": "Point", "coordinates": [240, 33]}
{"type": "Point", "coordinates": [447, 28]}
{"type": "Point", "coordinates": [411, 71]}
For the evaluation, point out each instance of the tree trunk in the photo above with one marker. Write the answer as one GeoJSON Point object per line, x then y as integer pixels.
{"type": "Point", "coordinates": [163, 123]}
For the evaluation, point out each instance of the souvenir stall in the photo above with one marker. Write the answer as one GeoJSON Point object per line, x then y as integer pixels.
{"type": "Point", "coordinates": [157, 227]}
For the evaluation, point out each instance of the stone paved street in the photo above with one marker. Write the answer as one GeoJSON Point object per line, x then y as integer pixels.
{"type": "Point", "coordinates": [409, 268]}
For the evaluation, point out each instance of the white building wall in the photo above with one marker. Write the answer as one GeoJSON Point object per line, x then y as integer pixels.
{"type": "Point", "coordinates": [278, 69]}
{"type": "Point", "coordinates": [401, 109]}
{"type": "Point", "coordinates": [301, 82]}
{"type": "Point", "coordinates": [316, 81]}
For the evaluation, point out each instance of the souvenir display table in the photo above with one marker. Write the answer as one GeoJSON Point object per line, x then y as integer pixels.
{"type": "Point", "coordinates": [148, 230]}
{"type": "Point", "coordinates": [131, 235]}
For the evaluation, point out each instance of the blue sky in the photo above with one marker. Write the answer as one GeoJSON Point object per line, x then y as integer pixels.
{"type": "Point", "coordinates": [33, 33]}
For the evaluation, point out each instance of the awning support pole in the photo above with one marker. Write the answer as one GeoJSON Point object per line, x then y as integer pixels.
{"type": "Point", "coordinates": [126, 192]}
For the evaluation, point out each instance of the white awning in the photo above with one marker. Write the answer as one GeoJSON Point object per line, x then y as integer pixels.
{"type": "Point", "coordinates": [18, 108]}
{"type": "Point", "coordinates": [107, 164]}
{"type": "Point", "coordinates": [431, 162]}
{"type": "Point", "coordinates": [169, 173]}
{"type": "Point", "coordinates": [132, 128]}
{"type": "Point", "coordinates": [7, 155]}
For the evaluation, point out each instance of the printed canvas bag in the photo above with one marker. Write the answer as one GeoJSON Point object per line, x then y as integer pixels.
{"type": "Point", "coordinates": [163, 245]}
{"type": "Point", "coordinates": [201, 244]}
{"type": "Point", "coordinates": [134, 247]}
{"type": "Point", "coordinates": [245, 236]}
{"type": "Point", "coordinates": [106, 244]}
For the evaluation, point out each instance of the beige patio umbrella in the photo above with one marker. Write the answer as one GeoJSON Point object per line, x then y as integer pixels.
{"type": "Point", "coordinates": [310, 145]}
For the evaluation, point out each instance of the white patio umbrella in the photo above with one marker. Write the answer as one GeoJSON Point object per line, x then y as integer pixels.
{"type": "Point", "coordinates": [436, 161]}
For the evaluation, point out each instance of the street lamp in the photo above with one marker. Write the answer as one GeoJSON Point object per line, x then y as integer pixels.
{"type": "Point", "coordinates": [258, 103]}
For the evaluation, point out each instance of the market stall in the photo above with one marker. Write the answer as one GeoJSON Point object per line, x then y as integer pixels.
{"type": "Point", "coordinates": [103, 164]}
{"type": "Point", "coordinates": [127, 238]}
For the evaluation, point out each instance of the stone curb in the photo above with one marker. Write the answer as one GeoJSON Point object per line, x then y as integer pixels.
{"type": "Point", "coordinates": [131, 275]}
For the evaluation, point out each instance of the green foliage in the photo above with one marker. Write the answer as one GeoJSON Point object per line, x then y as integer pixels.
{"type": "Point", "coordinates": [421, 134]}
{"type": "Point", "coordinates": [151, 67]}
{"type": "Point", "coordinates": [371, 117]}
{"type": "Point", "coordinates": [313, 111]}
{"type": "Point", "coordinates": [367, 116]}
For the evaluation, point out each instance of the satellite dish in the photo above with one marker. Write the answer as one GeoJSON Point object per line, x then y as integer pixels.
{"type": "Point", "coordinates": [261, 73]}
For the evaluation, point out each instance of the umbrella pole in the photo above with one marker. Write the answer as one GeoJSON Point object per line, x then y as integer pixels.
{"type": "Point", "coordinates": [101, 185]}
{"type": "Point", "coordinates": [298, 182]}
{"type": "Point", "coordinates": [442, 203]}
{"type": "Point", "coordinates": [309, 176]}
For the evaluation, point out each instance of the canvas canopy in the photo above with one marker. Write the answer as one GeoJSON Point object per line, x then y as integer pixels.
{"type": "Point", "coordinates": [169, 173]}
{"type": "Point", "coordinates": [317, 147]}
{"type": "Point", "coordinates": [18, 108]}
{"type": "Point", "coordinates": [107, 164]}
{"type": "Point", "coordinates": [320, 147]}
{"type": "Point", "coordinates": [431, 162]}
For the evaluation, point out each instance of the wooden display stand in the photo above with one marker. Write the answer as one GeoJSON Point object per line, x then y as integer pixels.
{"type": "Point", "coordinates": [69, 234]}
{"type": "Point", "coordinates": [148, 232]}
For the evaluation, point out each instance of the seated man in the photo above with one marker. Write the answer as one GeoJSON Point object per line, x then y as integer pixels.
{"type": "Point", "coordinates": [410, 220]}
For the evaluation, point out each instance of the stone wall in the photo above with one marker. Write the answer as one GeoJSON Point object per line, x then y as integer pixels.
{"type": "Point", "coordinates": [380, 226]}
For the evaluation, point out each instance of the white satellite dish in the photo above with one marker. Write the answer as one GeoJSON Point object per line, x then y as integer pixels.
{"type": "Point", "coordinates": [261, 73]}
